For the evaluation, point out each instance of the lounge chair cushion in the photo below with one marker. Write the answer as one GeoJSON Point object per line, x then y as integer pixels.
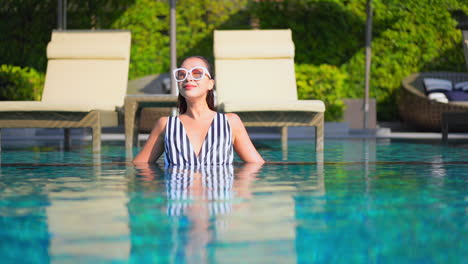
{"type": "Point", "coordinates": [241, 81]}
{"type": "Point", "coordinates": [81, 83]}
{"type": "Point", "coordinates": [78, 45]}
{"type": "Point", "coordinates": [27, 106]}
{"type": "Point", "coordinates": [291, 106]}
{"type": "Point", "coordinates": [242, 44]}
{"type": "Point", "coordinates": [85, 71]}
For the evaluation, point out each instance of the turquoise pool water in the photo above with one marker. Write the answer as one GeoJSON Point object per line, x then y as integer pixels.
{"type": "Point", "coordinates": [368, 201]}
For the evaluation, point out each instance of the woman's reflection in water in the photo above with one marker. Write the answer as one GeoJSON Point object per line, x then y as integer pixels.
{"type": "Point", "coordinates": [198, 199]}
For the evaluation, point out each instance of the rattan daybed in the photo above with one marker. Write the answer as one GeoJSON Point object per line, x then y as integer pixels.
{"type": "Point", "coordinates": [418, 111]}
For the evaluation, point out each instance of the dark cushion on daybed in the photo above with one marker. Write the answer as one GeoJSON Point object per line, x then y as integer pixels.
{"type": "Point", "coordinates": [454, 96]}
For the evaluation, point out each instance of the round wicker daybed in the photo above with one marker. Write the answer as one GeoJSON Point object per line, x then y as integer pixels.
{"type": "Point", "coordinates": [418, 111]}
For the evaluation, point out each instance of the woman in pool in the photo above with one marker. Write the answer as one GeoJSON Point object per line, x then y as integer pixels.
{"type": "Point", "coordinates": [199, 135]}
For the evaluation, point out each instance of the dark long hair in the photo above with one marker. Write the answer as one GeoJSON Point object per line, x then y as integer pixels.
{"type": "Point", "coordinates": [182, 103]}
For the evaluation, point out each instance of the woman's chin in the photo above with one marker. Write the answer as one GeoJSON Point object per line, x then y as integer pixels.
{"type": "Point", "coordinates": [191, 94]}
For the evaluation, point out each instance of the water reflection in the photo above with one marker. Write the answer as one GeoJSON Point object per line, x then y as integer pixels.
{"type": "Point", "coordinates": [209, 190]}
{"type": "Point", "coordinates": [24, 232]}
{"type": "Point", "coordinates": [380, 199]}
{"type": "Point", "coordinates": [196, 201]}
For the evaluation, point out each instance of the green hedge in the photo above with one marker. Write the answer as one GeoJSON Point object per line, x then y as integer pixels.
{"type": "Point", "coordinates": [26, 26]}
{"type": "Point", "coordinates": [408, 36]}
{"type": "Point", "coordinates": [324, 32]}
{"type": "Point", "coordinates": [324, 82]}
{"type": "Point", "coordinates": [420, 37]}
{"type": "Point", "coordinates": [18, 83]}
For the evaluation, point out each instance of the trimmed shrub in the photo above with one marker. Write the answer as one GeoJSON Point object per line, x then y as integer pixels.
{"type": "Point", "coordinates": [324, 82]}
{"type": "Point", "coordinates": [18, 83]}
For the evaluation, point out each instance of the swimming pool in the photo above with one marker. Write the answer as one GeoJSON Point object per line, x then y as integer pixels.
{"type": "Point", "coordinates": [369, 201]}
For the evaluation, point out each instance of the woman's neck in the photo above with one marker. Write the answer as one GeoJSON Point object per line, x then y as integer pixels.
{"type": "Point", "coordinates": [198, 109]}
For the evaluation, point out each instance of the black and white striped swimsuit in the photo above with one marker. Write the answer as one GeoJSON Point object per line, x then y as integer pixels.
{"type": "Point", "coordinates": [217, 148]}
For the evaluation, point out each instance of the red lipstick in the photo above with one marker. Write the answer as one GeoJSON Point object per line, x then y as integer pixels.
{"type": "Point", "coordinates": [189, 86]}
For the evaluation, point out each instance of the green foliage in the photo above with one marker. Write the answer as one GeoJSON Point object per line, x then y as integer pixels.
{"type": "Point", "coordinates": [196, 19]}
{"type": "Point", "coordinates": [324, 32]}
{"type": "Point", "coordinates": [148, 21]}
{"type": "Point", "coordinates": [18, 83]}
{"type": "Point", "coordinates": [422, 37]}
{"type": "Point", "coordinates": [26, 26]}
{"type": "Point", "coordinates": [324, 82]}
{"type": "Point", "coordinates": [95, 14]}
{"type": "Point", "coordinates": [408, 36]}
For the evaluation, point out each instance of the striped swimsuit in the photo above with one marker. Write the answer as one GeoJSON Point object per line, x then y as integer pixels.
{"type": "Point", "coordinates": [216, 149]}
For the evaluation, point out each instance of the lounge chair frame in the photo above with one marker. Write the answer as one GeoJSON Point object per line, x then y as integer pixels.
{"type": "Point", "coordinates": [38, 119]}
{"type": "Point", "coordinates": [255, 78]}
{"type": "Point", "coordinates": [285, 120]}
{"type": "Point", "coordinates": [86, 83]}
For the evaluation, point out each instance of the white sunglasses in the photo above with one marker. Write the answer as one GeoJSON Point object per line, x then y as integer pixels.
{"type": "Point", "coordinates": [197, 73]}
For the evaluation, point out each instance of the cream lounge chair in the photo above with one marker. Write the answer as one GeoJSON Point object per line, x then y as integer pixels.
{"type": "Point", "coordinates": [255, 78]}
{"type": "Point", "coordinates": [85, 84]}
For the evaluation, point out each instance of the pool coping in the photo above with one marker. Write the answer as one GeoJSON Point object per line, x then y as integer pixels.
{"type": "Point", "coordinates": [333, 130]}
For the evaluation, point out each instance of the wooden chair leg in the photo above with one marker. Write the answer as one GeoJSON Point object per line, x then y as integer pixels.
{"type": "Point", "coordinates": [319, 134]}
{"type": "Point", "coordinates": [136, 129]}
{"type": "Point", "coordinates": [131, 128]}
{"type": "Point", "coordinates": [97, 133]}
{"type": "Point", "coordinates": [97, 138]}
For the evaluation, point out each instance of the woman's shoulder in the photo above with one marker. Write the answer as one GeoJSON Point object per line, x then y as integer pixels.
{"type": "Point", "coordinates": [161, 123]}
{"type": "Point", "coordinates": [234, 119]}
{"type": "Point", "coordinates": [163, 120]}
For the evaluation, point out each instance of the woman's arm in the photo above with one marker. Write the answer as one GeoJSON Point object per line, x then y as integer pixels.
{"type": "Point", "coordinates": [242, 143]}
{"type": "Point", "coordinates": [154, 146]}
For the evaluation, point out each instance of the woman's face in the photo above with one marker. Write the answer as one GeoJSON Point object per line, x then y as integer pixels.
{"type": "Point", "coordinates": [190, 88]}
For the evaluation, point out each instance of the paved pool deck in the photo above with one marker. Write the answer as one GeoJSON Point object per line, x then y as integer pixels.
{"type": "Point", "coordinates": [333, 130]}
